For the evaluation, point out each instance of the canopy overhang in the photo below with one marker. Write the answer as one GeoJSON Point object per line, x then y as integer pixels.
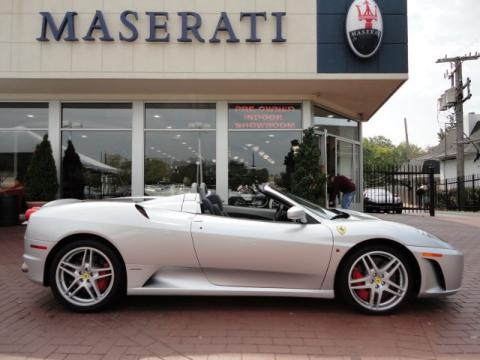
{"type": "Point", "coordinates": [357, 96]}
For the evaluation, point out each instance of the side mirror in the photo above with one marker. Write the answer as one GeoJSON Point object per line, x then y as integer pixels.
{"type": "Point", "coordinates": [296, 213]}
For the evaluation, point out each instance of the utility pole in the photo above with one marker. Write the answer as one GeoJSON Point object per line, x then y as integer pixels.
{"type": "Point", "coordinates": [407, 143]}
{"type": "Point", "coordinates": [457, 78]}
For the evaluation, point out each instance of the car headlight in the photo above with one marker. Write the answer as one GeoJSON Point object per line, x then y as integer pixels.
{"type": "Point", "coordinates": [427, 234]}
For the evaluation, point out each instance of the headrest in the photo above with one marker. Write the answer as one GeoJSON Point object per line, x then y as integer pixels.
{"type": "Point", "coordinates": [194, 188]}
{"type": "Point", "coordinates": [203, 190]}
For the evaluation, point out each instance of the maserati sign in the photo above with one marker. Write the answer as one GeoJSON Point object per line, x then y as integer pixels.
{"type": "Point", "coordinates": [158, 27]}
{"type": "Point", "coordinates": [364, 28]}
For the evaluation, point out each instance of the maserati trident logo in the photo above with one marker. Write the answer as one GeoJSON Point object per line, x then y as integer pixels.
{"type": "Point", "coordinates": [364, 28]}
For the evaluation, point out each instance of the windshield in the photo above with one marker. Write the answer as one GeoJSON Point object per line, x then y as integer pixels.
{"type": "Point", "coordinates": [317, 209]}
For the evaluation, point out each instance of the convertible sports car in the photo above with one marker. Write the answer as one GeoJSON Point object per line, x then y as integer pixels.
{"type": "Point", "coordinates": [90, 253]}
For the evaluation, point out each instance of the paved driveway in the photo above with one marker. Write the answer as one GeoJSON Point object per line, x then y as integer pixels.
{"type": "Point", "coordinates": [33, 325]}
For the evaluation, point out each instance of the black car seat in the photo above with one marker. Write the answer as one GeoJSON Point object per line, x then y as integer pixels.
{"type": "Point", "coordinates": [217, 201]}
{"type": "Point", "coordinates": [206, 205]}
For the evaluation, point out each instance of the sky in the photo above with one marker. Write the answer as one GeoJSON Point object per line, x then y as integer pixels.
{"type": "Point", "coordinates": [436, 28]}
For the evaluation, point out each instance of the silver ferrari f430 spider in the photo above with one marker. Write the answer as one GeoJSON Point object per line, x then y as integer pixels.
{"type": "Point", "coordinates": [92, 252]}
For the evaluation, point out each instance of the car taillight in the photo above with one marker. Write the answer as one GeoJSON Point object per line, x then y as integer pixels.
{"type": "Point", "coordinates": [30, 212]}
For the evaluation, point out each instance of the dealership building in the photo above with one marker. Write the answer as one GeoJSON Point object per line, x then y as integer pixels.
{"type": "Point", "coordinates": [157, 94]}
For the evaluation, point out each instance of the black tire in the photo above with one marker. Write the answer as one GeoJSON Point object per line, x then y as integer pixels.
{"type": "Point", "coordinates": [342, 289]}
{"type": "Point", "coordinates": [116, 289]}
{"type": "Point", "coordinates": [398, 211]}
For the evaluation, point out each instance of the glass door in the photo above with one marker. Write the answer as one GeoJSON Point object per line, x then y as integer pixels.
{"type": "Point", "coordinates": [348, 165]}
{"type": "Point", "coordinates": [339, 156]}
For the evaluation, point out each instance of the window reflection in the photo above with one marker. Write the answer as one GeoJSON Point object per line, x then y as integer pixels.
{"type": "Point", "coordinates": [106, 161]}
{"type": "Point", "coordinates": [22, 116]}
{"type": "Point", "coordinates": [256, 157]}
{"type": "Point", "coordinates": [180, 116]}
{"type": "Point", "coordinates": [175, 160]}
{"type": "Point", "coordinates": [16, 151]}
{"type": "Point", "coordinates": [180, 149]}
{"type": "Point", "coordinates": [22, 127]}
{"type": "Point", "coordinates": [97, 116]}
{"type": "Point", "coordinates": [96, 163]}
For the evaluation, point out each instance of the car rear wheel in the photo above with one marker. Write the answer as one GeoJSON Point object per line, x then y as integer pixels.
{"type": "Point", "coordinates": [86, 276]}
{"type": "Point", "coordinates": [376, 279]}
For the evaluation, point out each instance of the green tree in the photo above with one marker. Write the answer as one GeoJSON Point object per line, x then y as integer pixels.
{"type": "Point", "coordinates": [307, 181]}
{"type": "Point", "coordinates": [73, 179]}
{"type": "Point", "coordinates": [120, 163]}
{"type": "Point", "coordinates": [405, 154]}
{"type": "Point", "coordinates": [380, 152]}
{"type": "Point", "coordinates": [155, 170]}
{"type": "Point", "coordinates": [41, 178]}
{"type": "Point", "coordinates": [289, 162]}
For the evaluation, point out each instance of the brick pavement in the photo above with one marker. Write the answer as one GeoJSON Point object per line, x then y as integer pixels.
{"type": "Point", "coordinates": [33, 325]}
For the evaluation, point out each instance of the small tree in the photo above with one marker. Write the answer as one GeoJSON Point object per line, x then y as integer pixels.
{"type": "Point", "coordinates": [73, 180]}
{"type": "Point", "coordinates": [307, 180]}
{"type": "Point", "coordinates": [41, 178]}
{"type": "Point", "coordinates": [289, 162]}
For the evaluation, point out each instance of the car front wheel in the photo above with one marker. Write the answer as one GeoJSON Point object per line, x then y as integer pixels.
{"type": "Point", "coordinates": [86, 276]}
{"type": "Point", "coordinates": [376, 279]}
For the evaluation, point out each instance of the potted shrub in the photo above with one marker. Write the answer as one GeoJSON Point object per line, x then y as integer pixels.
{"type": "Point", "coordinates": [41, 178]}
{"type": "Point", "coordinates": [73, 180]}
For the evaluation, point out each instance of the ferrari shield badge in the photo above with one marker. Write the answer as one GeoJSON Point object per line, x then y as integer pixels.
{"type": "Point", "coordinates": [342, 230]}
{"type": "Point", "coordinates": [364, 27]}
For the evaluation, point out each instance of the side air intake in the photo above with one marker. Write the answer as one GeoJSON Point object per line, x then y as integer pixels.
{"type": "Point", "coordinates": [142, 211]}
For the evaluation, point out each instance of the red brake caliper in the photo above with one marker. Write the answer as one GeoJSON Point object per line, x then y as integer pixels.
{"type": "Point", "coordinates": [363, 293]}
{"type": "Point", "coordinates": [102, 283]}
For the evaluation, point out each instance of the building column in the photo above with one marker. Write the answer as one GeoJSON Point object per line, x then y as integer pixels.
{"type": "Point", "coordinates": [222, 150]}
{"type": "Point", "coordinates": [54, 134]}
{"type": "Point", "coordinates": [138, 148]}
{"type": "Point", "coordinates": [307, 118]}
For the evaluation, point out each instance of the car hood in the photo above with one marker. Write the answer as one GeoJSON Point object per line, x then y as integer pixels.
{"type": "Point", "coordinates": [357, 215]}
{"type": "Point", "coordinates": [360, 227]}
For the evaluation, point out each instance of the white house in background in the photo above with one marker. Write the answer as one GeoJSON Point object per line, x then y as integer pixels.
{"type": "Point", "coordinates": [446, 151]}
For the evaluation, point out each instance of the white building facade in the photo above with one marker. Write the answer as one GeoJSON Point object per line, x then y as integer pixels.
{"type": "Point", "coordinates": [155, 95]}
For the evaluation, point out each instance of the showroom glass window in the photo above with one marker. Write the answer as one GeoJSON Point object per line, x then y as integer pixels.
{"type": "Point", "coordinates": [180, 147]}
{"type": "Point", "coordinates": [342, 144]}
{"type": "Point", "coordinates": [22, 127]}
{"type": "Point", "coordinates": [101, 135]}
{"type": "Point", "coordinates": [261, 137]}
{"type": "Point", "coordinates": [334, 124]}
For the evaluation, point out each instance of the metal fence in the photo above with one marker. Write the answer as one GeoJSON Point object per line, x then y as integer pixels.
{"type": "Point", "coordinates": [410, 189]}
{"type": "Point", "coordinates": [448, 194]}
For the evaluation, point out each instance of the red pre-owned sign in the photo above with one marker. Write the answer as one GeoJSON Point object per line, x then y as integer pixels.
{"type": "Point", "coordinates": [270, 116]}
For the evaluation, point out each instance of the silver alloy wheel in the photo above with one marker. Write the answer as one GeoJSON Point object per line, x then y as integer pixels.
{"type": "Point", "coordinates": [378, 281]}
{"type": "Point", "coordinates": [85, 276]}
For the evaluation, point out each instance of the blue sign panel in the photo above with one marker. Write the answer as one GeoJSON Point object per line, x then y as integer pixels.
{"type": "Point", "coordinates": [335, 54]}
